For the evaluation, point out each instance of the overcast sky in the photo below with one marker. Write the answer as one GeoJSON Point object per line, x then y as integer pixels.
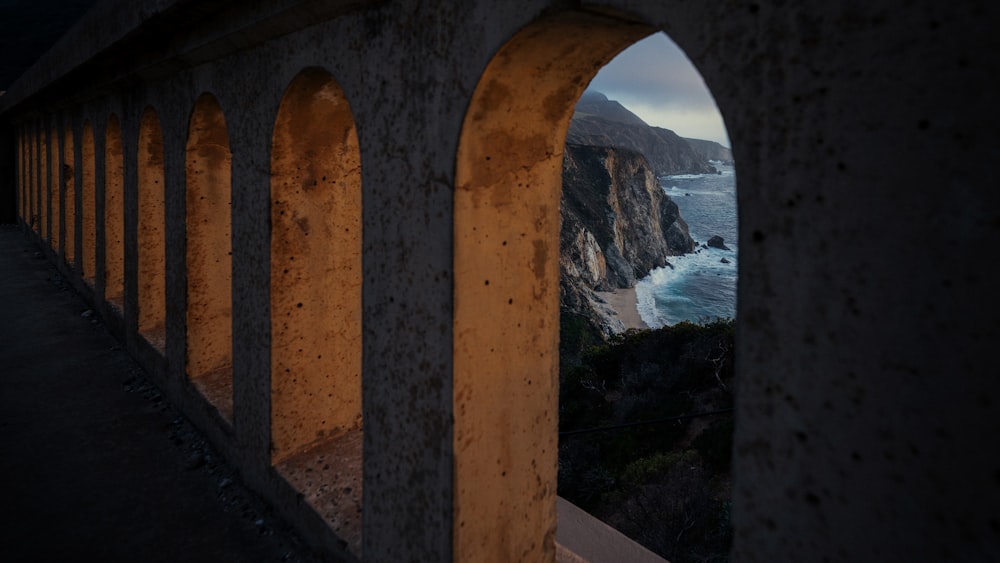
{"type": "Point", "coordinates": [656, 81]}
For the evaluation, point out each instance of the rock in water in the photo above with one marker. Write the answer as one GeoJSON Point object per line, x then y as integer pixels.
{"type": "Point", "coordinates": [717, 242]}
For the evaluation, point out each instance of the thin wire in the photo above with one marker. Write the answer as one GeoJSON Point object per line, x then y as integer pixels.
{"type": "Point", "coordinates": [644, 422]}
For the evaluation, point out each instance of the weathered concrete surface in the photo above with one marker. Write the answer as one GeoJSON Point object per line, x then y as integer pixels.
{"type": "Point", "coordinates": [93, 469]}
{"type": "Point", "coordinates": [863, 134]}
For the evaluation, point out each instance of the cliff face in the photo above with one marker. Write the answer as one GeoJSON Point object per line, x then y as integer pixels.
{"type": "Point", "coordinates": [617, 225]}
{"type": "Point", "coordinates": [602, 122]}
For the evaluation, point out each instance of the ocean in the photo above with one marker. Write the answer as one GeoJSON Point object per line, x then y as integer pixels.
{"type": "Point", "coordinates": [698, 287]}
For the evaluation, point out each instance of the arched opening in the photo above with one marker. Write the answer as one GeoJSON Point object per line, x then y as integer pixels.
{"type": "Point", "coordinates": [151, 246]}
{"type": "Point", "coordinates": [22, 192]}
{"type": "Point", "coordinates": [22, 176]}
{"type": "Point", "coordinates": [88, 203]}
{"type": "Point", "coordinates": [25, 168]}
{"type": "Point", "coordinates": [507, 282]}
{"type": "Point", "coordinates": [56, 192]}
{"type": "Point", "coordinates": [208, 168]}
{"type": "Point", "coordinates": [26, 207]}
{"type": "Point", "coordinates": [38, 181]}
{"type": "Point", "coordinates": [114, 215]}
{"type": "Point", "coordinates": [33, 188]}
{"type": "Point", "coordinates": [649, 158]}
{"type": "Point", "coordinates": [40, 189]}
{"type": "Point", "coordinates": [69, 197]}
{"type": "Point", "coordinates": [316, 299]}
{"type": "Point", "coordinates": [31, 178]}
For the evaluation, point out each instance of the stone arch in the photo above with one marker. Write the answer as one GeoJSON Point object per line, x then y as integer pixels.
{"type": "Point", "coordinates": [208, 169]}
{"type": "Point", "coordinates": [316, 293]}
{"type": "Point", "coordinates": [68, 175]}
{"type": "Point", "coordinates": [88, 205]}
{"type": "Point", "coordinates": [24, 160]}
{"type": "Point", "coordinates": [506, 319]}
{"type": "Point", "coordinates": [22, 175]}
{"type": "Point", "coordinates": [114, 215]}
{"type": "Point", "coordinates": [41, 188]}
{"type": "Point", "coordinates": [22, 192]}
{"type": "Point", "coordinates": [32, 178]}
{"type": "Point", "coordinates": [151, 232]}
{"type": "Point", "coordinates": [34, 160]}
{"type": "Point", "coordinates": [55, 187]}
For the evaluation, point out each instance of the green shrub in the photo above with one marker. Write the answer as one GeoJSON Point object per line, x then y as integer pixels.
{"type": "Point", "coordinates": [657, 483]}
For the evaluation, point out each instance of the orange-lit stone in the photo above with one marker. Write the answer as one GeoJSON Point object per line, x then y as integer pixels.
{"type": "Point", "coordinates": [208, 167]}
{"type": "Point", "coordinates": [151, 246]}
{"type": "Point", "coordinates": [114, 215]}
{"type": "Point", "coordinates": [508, 184]}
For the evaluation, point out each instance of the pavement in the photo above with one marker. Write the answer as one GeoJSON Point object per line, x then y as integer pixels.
{"type": "Point", "coordinates": [95, 465]}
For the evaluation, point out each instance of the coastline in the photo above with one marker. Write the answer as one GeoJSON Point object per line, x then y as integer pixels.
{"type": "Point", "coordinates": [625, 305]}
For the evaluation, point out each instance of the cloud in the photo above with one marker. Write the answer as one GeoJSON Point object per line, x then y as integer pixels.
{"type": "Point", "coordinates": [655, 80]}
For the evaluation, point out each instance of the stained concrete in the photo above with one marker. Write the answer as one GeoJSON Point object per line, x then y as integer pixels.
{"type": "Point", "coordinates": [863, 135]}
{"type": "Point", "coordinates": [95, 465]}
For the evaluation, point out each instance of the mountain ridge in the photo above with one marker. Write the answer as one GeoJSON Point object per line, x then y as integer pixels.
{"type": "Point", "coordinates": [600, 121]}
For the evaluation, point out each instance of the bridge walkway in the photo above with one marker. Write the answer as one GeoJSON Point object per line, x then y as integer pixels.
{"type": "Point", "coordinates": [94, 464]}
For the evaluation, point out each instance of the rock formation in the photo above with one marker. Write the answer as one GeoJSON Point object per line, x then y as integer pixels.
{"type": "Point", "coordinates": [617, 225]}
{"type": "Point", "coordinates": [717, 242]}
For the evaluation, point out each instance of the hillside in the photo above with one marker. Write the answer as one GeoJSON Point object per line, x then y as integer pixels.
{"type": "Point", "coordinates": [662, 481]}
{"type": "Point", "coordinates": [598, 121]}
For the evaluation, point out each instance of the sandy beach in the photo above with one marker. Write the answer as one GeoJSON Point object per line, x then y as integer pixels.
{"type": "Point", "coordinates": [625, 304]}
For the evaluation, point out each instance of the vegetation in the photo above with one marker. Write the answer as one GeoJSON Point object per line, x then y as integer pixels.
{"type": "Point", "coordinates": [665, 484]}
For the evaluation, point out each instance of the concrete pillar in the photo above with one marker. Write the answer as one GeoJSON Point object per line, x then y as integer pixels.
{"type": "Point", "coordinates": [507, 191]}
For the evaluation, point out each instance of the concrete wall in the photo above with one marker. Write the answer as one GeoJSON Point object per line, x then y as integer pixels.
{"type": "Point", "coordinates": [866, 409]}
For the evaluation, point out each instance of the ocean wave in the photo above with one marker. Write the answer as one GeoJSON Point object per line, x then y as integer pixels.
{"type": "Point", "coordinates": [646, 304]}
{"type": "Point", "coordinates": [669, 295]}
{"type": "Point", "coordinates": [699, 287]}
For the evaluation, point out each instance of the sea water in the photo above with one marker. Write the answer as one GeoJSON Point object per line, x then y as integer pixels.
{"type": "Point", "coordinates": [696, 287]}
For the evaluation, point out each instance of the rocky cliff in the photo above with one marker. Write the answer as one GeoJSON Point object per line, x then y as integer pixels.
{"type": "Point", "coordinates": [617, 225]}
{"type": "Point", "coordinates": [599, 121]}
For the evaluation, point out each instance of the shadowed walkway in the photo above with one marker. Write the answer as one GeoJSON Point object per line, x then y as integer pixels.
{"type": "Point", "coordinates": [95, 466]}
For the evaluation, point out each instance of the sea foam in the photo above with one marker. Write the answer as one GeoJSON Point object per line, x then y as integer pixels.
{"type": "Point", "coordinates": [699, 286]}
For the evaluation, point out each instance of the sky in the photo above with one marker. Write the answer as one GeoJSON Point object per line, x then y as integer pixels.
{"type": "Point", "coordinates": [656, 81]}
